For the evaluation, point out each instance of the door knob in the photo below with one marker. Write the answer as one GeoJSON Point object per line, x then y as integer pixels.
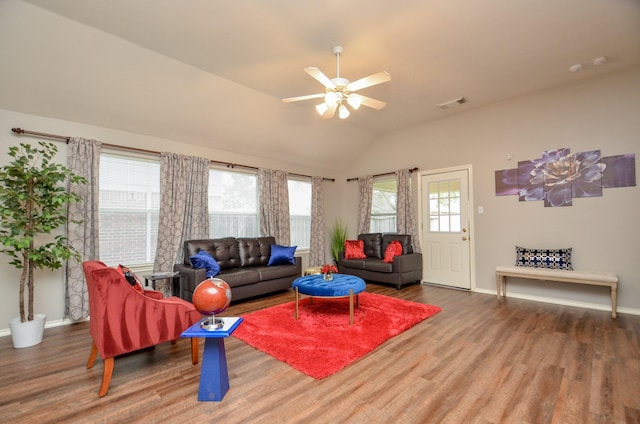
{"type": "Point", "coordinates": [464, 238]}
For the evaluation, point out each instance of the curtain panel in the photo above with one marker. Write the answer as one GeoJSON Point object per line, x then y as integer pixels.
{"type": "Point", "coordinates": [184, 211]}
{"type": "Point", "coordinates": [406, 217]}
{"type": "Point", "coordinates": [365, 189]}
{"type": "Point", "coordinates": [273, 194]}
{"type": "Point", "coordinates": [83, 158]}
{"type": "Point", "coordinates": [317, 243]}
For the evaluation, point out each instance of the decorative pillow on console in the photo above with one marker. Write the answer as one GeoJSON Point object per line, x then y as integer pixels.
{"type": "Point", "coordinates": [282, 255]}
{"type": "Point", "coordinates": [354, 249]}
{"type": "Point", "coordinates": [203, 259]}
{"type": "Point", "coordinates": [131, 278]}
{"type": "Point", "coordinates": [544, 258]}
{"type": "Point", "coordinates": [393, 249]}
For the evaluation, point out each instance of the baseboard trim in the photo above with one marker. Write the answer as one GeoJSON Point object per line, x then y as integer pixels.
{"type": "Point", "coordinates": [562, 302]}
{"type": "Point", "coordinates": [50, 324]}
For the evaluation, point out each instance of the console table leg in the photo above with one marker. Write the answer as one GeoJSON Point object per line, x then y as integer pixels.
{"type": "Point", "coordinates": [214, 377]}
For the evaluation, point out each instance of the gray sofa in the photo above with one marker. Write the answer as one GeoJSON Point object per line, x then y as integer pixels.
{"type": "Point", "coordinates": [405, 269]}
{"type": "Point", "coordinates": [243, 263]}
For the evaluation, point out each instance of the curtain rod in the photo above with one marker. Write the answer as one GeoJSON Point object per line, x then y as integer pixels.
{"type": "Point", "coordinates": [381, 175]}
{"type": "Point", "coordinates": [20, 131]}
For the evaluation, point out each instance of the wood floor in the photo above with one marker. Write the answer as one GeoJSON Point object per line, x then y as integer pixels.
{"type": "Point", "coordinates": [477, 361]}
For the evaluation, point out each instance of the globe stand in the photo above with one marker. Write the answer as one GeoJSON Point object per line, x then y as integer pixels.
{"type": "Point", "coordinates": [211, 323]}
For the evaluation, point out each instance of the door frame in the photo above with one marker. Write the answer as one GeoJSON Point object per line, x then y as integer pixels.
{"type": "Point", "coordinates": [421, 223]}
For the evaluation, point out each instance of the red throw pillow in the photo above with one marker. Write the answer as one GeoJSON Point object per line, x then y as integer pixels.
{"type": "Point", "coordinates": [131, 278]}
{"type": "Point", "coordinates": [393, 249]}
{"type": "Point", "coordinates": [354, 249]}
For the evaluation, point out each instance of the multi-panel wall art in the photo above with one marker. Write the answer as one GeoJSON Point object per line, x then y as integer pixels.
{"type": "Point", "coordinates": [560, 176]}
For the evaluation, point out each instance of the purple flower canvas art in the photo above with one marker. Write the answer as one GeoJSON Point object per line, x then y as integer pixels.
{"type": "Point", "coordinates": [559, 176]}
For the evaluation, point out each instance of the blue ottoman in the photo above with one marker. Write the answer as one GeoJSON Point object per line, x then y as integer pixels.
{"type": "Point", "coordinates": [342, 285]}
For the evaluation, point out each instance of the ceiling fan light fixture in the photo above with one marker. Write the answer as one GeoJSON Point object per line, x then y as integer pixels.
{"type": "Point", "coordinates": [354, 101]}
{"type": "Point", "coordinates": [343, 112]}
{"type": "Point", "coordinates": [339, 91]}
{"type": "Point", "coordinates": [331, 98]}
{"type": "Point", "coordinates": [322, 108]}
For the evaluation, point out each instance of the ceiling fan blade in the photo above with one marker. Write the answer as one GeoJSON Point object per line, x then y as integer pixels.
{"type": "Point", "coordinates": [322, 78]}
{"type": "Point", "coordinates": [297, 99]}
{"type": "Point", "coordinates": [365, 82]}
{"type": "Point", "coordinates": [369, 102]}
{"type": "Point", "coordinates": [330, 112]}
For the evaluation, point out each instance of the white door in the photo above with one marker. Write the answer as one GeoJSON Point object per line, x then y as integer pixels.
{"type": "Point", "coordinates": [444, 202]}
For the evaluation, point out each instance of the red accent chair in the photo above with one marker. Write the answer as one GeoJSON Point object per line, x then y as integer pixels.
{"type": "Point", "coordinates": [123, 320]}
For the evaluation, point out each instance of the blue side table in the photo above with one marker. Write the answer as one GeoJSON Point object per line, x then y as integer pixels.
{"type": "Point", "coordinates": [214, 376]}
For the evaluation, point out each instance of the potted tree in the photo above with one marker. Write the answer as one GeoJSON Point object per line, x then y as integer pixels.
{"type": "Point", "coordinates": [338, 237]}
{"type": "Point", "coordinates": [33, 201]}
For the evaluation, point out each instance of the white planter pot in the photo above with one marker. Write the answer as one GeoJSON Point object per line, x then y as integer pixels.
{"type": "Point", "coordinates": [30, 333]}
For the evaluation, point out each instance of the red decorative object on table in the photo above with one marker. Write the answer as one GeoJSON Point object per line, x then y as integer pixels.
{"type": "Point", "coordinates": [327, 271]}
{"type": "Point", "coordinates": [211, 297]}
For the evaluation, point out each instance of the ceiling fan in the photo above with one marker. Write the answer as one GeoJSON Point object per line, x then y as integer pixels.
{"type": "Point", "coordinates": [340, 92]}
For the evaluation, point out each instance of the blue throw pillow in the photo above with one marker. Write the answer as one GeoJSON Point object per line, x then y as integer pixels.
{"type": "Point", "coordinates": [203, 259]}
{"type": "Point", "coordinates": [282, 255]}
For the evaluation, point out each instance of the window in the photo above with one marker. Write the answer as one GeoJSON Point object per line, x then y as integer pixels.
{"type": "Point", "coordinates": [300, 212]}
{"type": "Point", "coordinates": [233, 204]}
{"type": "Point", "coordinates": [383, 206]}
{"type": "Point", "coordinates": [444, 206]}
{"type": "Point", "coordinates": [129, 209]}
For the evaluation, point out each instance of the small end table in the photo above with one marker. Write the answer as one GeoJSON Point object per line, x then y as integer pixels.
{"type": "Point", "coordinates": [175, 277]}
{"type": "Point", "coordinates": [214, 376]}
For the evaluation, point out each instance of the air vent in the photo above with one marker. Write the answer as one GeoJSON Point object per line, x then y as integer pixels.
{"type": "Point", "coordinates": [452, 103]}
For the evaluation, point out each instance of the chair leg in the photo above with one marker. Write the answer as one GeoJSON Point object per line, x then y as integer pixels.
{"type": "Point", "coordinates": [93, 355]}
{"type": "Point", "coordinates": [194, 350]}
{"type": "Point", "coordinates": [106, 376]}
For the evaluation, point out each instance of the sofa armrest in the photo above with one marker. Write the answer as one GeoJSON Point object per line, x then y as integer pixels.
{"type": "Point", "coordinates": [192, 277]}
{"type": "Point", "coordinates": [408, 262]}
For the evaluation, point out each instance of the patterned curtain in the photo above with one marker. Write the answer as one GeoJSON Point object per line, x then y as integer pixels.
{"type": "Point", "coordinates": [273, 194]}
{"type": "Point", "coordinates": [83, 158]}
{"type": "Point", "coordinates": [365, 186]}
{"type": "Point", "coordinates": [184, 211]}
{"type": "Point", "coordinates": [406, 217]}
{"type": "Point", "coordinates": [316, 250]}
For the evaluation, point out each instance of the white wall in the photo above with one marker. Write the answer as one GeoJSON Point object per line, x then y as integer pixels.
{"type": "Point", "coordinates": [49, 285]}
{"type": "Point", "coordinates": [604, 232]}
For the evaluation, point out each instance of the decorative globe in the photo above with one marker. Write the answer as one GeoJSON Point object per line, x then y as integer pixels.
{"type": "Point", "coordinates": [211, 297]}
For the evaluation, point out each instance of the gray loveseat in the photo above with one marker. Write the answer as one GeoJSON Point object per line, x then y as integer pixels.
{"type": "Point", "coordinates": [405, 269]}
{"type": "Point", "coordinates": [243, 263]}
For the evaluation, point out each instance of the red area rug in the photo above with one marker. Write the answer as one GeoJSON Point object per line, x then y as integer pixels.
{"type": "Point", "coordinates": [322, 342]}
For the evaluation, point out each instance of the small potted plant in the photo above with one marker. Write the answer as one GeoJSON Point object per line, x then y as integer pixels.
{"type": "Point", "coordinates": [33, 203]}
{"type": "Point", "coordinates": [338, 237]}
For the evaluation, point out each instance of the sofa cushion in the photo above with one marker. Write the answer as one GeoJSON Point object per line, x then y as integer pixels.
{"type": "Point", "coordinates": [282, 255]}
{"type": "Point", "coordinates": [404, 239]}
{"type": "Point", "coordinates": [393, 249]}
{"type": "Point", "coordinates": [203, 259]}
{"type": "Point", "coordinates": [226, 252]}
{"type": "Point", "coordinates": [352, 263]}
{"type": "Point", "coordinates": [236, 277]}
{"type": "Point", "coordinates": [191, 247]}
{"type": "Point", "coordinates": [377, 265]}
{"type": "Point", "coordinates": [277, 271]}
{"type": "Point", "coordinates": [354, 249]}
{"type": "Point", "coordinates": [372, 244]}
{"type": "Point", "coordinates": [255, 251]}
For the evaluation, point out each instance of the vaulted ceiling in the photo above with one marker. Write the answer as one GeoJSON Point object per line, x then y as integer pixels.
{"type": "Point", "coordinates": [242, 57]}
